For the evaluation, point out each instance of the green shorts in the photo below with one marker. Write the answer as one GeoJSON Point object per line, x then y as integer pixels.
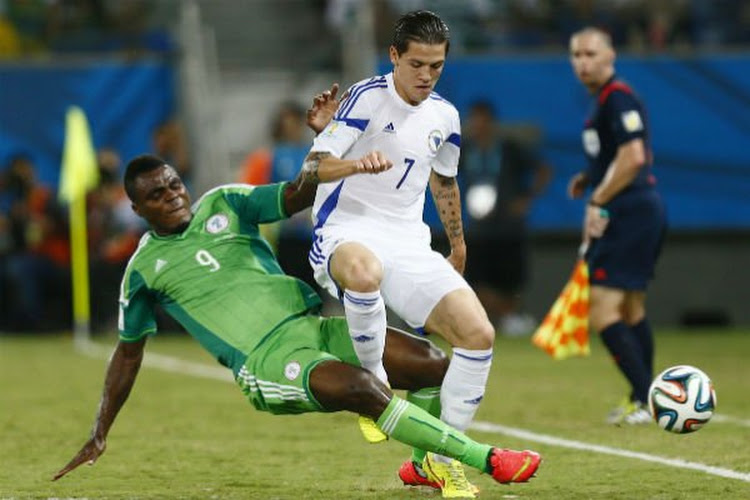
{"type": "Point", "coordinates": [276, 375]}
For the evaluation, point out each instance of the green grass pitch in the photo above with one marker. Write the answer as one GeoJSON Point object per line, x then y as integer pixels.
{"type": "Point", "coordinates": [182, 436]}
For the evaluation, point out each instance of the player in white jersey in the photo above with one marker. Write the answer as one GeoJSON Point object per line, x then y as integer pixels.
{"type": "Point", "coordinates": [370, 245]}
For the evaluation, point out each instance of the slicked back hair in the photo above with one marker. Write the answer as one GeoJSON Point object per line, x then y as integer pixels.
{"type": "Point", "coordinates": [421, 26]}
{"type": "Point", "coordinates": [594, 30]}
{"type": "Point", "coordinates": [137, 166]}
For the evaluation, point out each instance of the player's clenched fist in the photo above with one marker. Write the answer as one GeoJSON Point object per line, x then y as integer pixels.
{"type": "Point", "coordinates": [372, 163]}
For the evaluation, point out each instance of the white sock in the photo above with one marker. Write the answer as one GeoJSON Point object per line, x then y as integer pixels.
{"type": "Point", "coordinates": [365, 313]}
{"type": "Point", "coordinates": [463, 386]}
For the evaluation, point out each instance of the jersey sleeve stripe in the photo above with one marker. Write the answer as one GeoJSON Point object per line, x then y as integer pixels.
{"type": "Point", "coordinates": [328, 206]}
{"type": "Point", "coordinates": [282, 206]}
{"type": "Point", "coordinates": [356, 94]}
{"type": "Point", "coordinates": [126, 275]}
{"type": "Point", "coordinates": [357, 123]}
{"type": "Point", "coordinates": [454, 139]}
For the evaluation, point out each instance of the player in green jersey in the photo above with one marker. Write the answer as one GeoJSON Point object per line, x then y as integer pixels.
{"type": "Point", "coordinates": [210, 269]}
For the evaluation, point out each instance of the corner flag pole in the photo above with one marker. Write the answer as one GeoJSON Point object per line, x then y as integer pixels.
{"type": "Point", "coordinates": [79, 175]}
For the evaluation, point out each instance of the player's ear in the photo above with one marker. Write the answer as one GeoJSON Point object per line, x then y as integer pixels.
{"type": "Point", "coordinates": [612, 55]}
{"type": "Point", "coordinates": [393, 53]}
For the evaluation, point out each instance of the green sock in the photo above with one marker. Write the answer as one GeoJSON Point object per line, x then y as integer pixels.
{"type": "Point", "coordinates": [429, 400]}
{"type": "Point", "coordinates": [413, 426]}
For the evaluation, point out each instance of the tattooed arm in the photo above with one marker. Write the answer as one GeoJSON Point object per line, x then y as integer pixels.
{"type": "Point", "coordinates": [323, 167]}
{"type": "Point", "coordinates": [448, 203]}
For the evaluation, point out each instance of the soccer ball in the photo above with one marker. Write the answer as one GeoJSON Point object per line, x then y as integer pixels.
{"type": "Point", "coordinates": [682, 399]}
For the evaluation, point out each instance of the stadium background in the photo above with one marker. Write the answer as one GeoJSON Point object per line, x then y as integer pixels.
{"type": "Point", "coordinates": [221, 67]}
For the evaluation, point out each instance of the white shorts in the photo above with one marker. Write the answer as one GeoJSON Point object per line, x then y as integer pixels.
{"type": "Point", "coordinates": [415, 277]}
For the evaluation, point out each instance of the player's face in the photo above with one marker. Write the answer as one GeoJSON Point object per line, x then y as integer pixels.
{"type": "Point", "coordinates": [592, 59]}
{"type": "Point", "coordinates": [417, 70]}
{"type": "Point", "coordinates": [161, 199]}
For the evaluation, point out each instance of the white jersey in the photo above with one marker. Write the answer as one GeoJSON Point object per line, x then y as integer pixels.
{"type": "Point", "coordinates": [417, 139]}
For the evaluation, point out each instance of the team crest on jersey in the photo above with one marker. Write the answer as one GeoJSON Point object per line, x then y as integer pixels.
{"type": "Point", "coordinates": [435, 140]}
{"type": "Point", "coordinates": [217, 223]}
{"type": "Point", "coordinates": [292, 370]}
{"type": "Point", "coordinates": [591, 142]}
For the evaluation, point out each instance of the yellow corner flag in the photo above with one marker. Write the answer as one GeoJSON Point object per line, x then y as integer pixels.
{"type": "Point", "coordinates": [79, 174]}
{"type": "Point", "coordinates": [564, 332]}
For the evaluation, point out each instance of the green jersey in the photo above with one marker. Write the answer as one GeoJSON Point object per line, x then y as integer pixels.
{"type": "Point", "coordinates": [218, 278]}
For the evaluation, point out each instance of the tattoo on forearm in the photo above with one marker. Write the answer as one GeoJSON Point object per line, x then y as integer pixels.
{"type": "Point", "coordinates": [447, 199]}
{"type": "Point", "coordinates": [311, 166]}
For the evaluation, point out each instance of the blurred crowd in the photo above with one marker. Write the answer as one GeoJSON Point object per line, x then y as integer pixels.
{"type": "Point", "coordinates": [35, 260]}
{"type": "Point", "coordinates": [29, 27]}
{"type": "Point", "coordinates": [35, 280]}
{"type": "Point", "coordinates": [37, 27]}
{"type": "Point", "coordinates": [487, 26]}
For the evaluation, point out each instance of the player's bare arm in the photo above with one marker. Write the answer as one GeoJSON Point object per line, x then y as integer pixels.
{"type": "Point", "coordinates": [630, 157]}
{"type": "Point", "coordinates": [323, 108]}
{"type": "Point", "coordinates": [121, 374]}
{"type": "Point", "coordinates": [324, 167]}
{"type": "Point", "coordinates": [448, 202]}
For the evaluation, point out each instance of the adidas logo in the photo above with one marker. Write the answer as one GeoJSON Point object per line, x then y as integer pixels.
{"type": "Point", "coordinates": [363, 338]}
{"type": "Point", "coordinates": [390, 128]}
{"type": "Point", "coordinates": [159, 265]}
{"type": "Point", "coordinates": [474, 401]}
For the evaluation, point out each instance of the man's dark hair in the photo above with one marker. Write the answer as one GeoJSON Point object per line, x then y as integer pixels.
{"type": "Point", "coordinates": [421, 26]}
{"type": "Point", "coordinates": [137, 166]}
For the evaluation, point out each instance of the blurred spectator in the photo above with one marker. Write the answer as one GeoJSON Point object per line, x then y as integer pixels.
{"type": "Point", "coordinates": [114, 231]}
{"type": "Point", "coordinates": [281, 162]}
{"type": "Point", "coordinates": [170, 143]}
{"type": "Point", "coordinates": [10, 41]}
{"type": "Point", "coordinates": [32, 24]}
{"type": "Point", "coordinates": [500, 177]}
{"type": "Point", "coordinates": [37, 26]}
{"type": "Point", "coordinates": [37, 251]}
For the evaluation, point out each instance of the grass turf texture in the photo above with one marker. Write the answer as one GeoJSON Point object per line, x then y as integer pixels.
{"type": "Point", "coordinates": [185, 437]}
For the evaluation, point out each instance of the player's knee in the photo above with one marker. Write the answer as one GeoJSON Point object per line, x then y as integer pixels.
{"type": "Point", "coordinates": [365, 394]}
{"type": "Point", "coordinates": [436, 367]}
{"type": "Point", "coordinates": [362, 275]}
{"type": "Point", "coordinates": [479, 334]}
{"type": "Point", "coordinates": [429, 370]}
{"type": "Point", "coordinates": [485, 335]}
{"type": "Point", "coordinates": [600, 317]}
{"type": "Point", "coordinates": [634, 314]}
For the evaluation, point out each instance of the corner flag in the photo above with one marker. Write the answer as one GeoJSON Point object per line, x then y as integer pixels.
{"type": "Point", "coordinates": [564, 332]}
{"type": "Point", "coordinates": [79, 174]}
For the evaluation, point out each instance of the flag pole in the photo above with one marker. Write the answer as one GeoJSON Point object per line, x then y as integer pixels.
{"type": "Point", "coordinates": [79, 261]}
{"type": "Point", "coordinates": [79, 175]}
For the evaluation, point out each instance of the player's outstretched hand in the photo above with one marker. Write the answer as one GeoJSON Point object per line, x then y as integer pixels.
{"type": "Point", "coordinates": [323, 108]}
{"type": "Point", "coordinates": [373, 162]}
{"type": "Point", "coordinates": [89, 453]}
{"type": "Point", "coordinates": [577, 185]}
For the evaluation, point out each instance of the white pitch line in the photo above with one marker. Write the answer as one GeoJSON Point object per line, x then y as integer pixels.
{"type": "Point", "coordinates": [728, 419]}
{"type": "Point", "coordinates": [162, 362]}
{"type": "Point", "coordinates": [176, 365]}
{"type": "Point", "coordinates": [608, 450]}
